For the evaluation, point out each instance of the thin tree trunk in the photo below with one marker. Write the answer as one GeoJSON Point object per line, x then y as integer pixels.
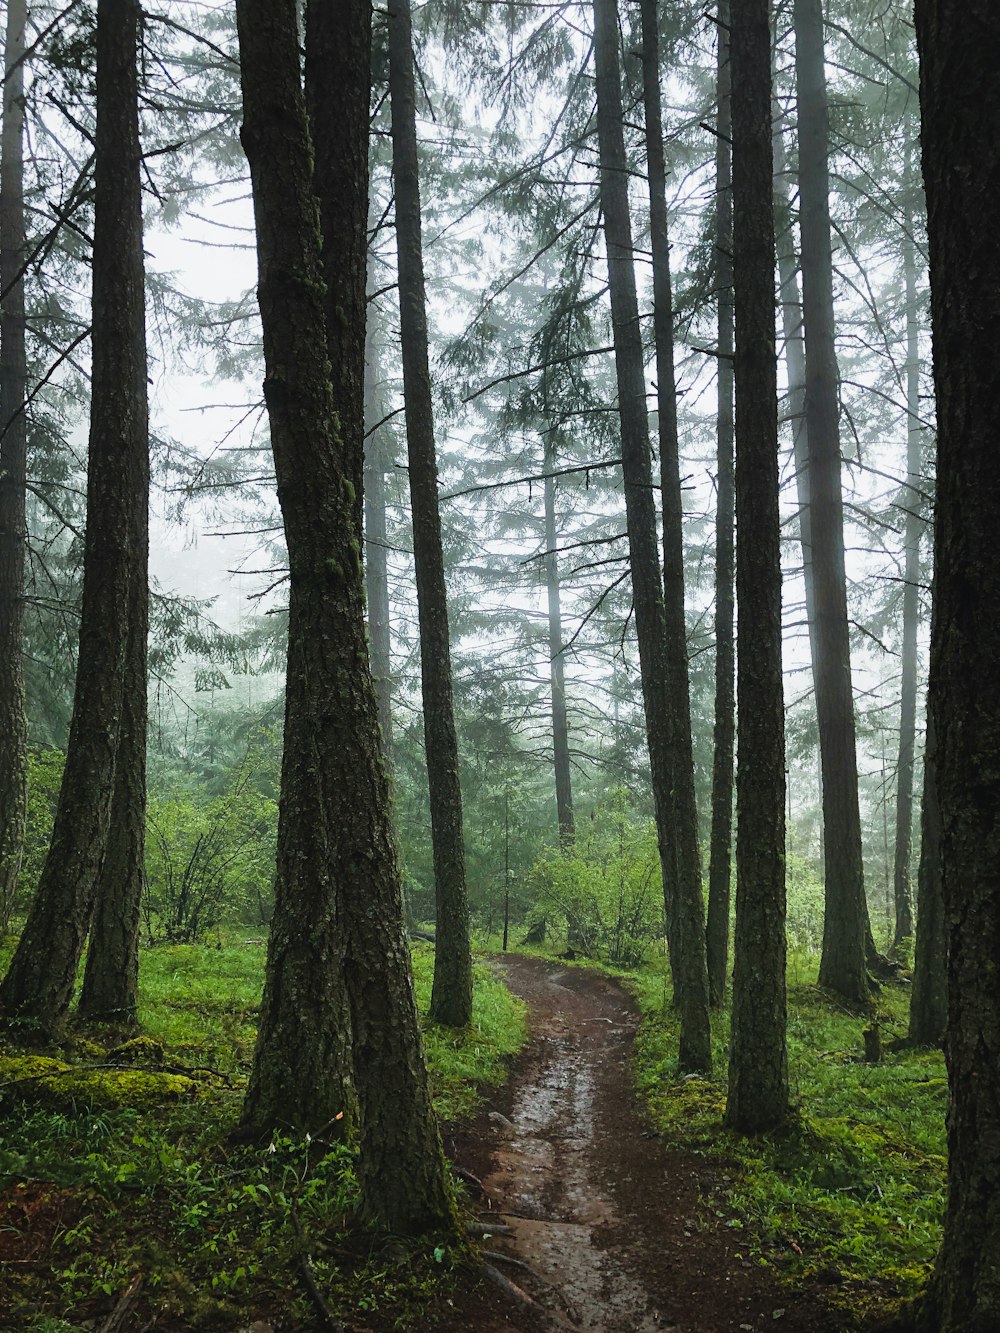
{"type": "Point", "coordinates": [557, 674]}
{"type": "Point", "coordinates": [758, 1062]}
{"type": "Point", "coordinates": [929, 992]}
{"type": "Point", "coordinates": [451, 993]}
{"type": "Point", "coordinates": [720, 860]}
{"type": "Point", "coordinates": [376, 547]}
{"type": "Point", "coordinates": [13, 467]}
{"type": "Point", "coordinates": [845, 926]}
{"type": "Point", "coordinates": [338, 965]}
{"type": "Point", "coordinates": [959, 46]}
{"type": "Point", "coordinates": [691, 976]}
{"type": "Point", "coordinates": [902, 894]}
{"type": "Point", "coordinates": [790, 301]}
{"type": "Point", "coordinates": [689, 908]}
{"type": "Point", "coordinates": [39, 984]}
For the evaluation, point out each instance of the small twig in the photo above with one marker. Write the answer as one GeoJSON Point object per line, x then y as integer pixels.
{"type": "Point", "coordinates": [309, 1279]}
{"type": "Point", "coordinates": [115, 1321]}
{"type": "Point", "coordinates": [488, 1229]}
{"type": "Point", "coordinates": [511, 1289]}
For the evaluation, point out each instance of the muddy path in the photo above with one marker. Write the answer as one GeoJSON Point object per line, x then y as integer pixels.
{"type": "Point", "coordinates": [613, 1225]}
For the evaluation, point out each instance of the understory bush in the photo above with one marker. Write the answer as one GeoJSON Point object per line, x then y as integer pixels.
{"type": "Point", "coordinates": [606, 888]}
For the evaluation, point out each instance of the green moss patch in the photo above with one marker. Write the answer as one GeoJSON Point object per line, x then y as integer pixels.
{"type": "Point", "coordinates": [41, 1081]}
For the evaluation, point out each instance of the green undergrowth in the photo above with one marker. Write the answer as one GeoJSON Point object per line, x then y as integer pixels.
{"type": "Point", "coordinates": [108, 1173]}
{"type": "Point", "coordinates": [851, 1194]}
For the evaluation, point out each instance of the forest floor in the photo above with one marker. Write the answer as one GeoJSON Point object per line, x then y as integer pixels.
{"type": "Point", "coordinates": [611, 1221]}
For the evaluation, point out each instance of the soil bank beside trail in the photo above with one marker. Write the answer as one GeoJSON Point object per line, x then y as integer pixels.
{"type": "Point", "coordinates": [612, 1223]}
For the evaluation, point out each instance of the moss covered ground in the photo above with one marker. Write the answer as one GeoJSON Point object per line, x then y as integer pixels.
{"type": "Point", "coordinates": [114, 1166]}
{"type": "Point", "coordinates": [851, 1194]}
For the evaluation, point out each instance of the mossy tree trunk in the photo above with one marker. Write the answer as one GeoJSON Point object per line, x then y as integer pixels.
{"type": "Point", "coordinates": [13, 466]}
{"type": "Point", "coordinates": [720, 857]}
{"type": "Point", "coordinates": [111, 978]}
{"type": "Point", "coordinates": [687, 895]}
{"type": "Point", "coordinates": [845, 925]}
{"type": "Point", "coordinates": [691, 973]}
{"type": "Point", "coordinates": [376, 543]}
{"type": "Point", "coordinates": [338, 975]}
{"type": "Point", "coordinates": [758, 1064]}
{"type": "Point", "coordinates": [451, 993]}
{"type": "Point", "coordinates": [959, 46]}
{"type": "Point", "coordinates": [39, 985]}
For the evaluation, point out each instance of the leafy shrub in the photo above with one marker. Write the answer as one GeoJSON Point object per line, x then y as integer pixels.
{"type": "Point", "coordinates": [210, 861]}
{"type": "Point", "coordinates": [607, 887]}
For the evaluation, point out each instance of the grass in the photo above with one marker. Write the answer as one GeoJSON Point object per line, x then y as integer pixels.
{"type": "Point", "coordinates": [851, 1194]}
{"type": "Point", "coordinates": [91, 1195]}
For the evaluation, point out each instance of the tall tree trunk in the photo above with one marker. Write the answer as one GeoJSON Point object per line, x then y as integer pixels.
{"type": "Point", "coordinates": [557, 673]}
{"type": "Point", "coordinates": [902, 895]}
{"type": "Point", "coordinates": [845, 926]}
{"type": "Point", "coordinates": [691, 975]}
{"type": "Point", "coordinates": [451, 993]}
{"type": "Point", "coordinates": [929, 992]}
{"type": "Point", "coordinates": [337, 50]}
{"type": "Point", "coordinates": [959, 46]}
{"type": "Point", "coordinates": [720, 860]}
{"type": "Point", "coordinates": [376, 545]}
{"type": "Point", "coordinates": [13, 466]}
{"type": "Point", "coordinates": [338, 965]}
{"type": "Point", "coordinates": [795, 369]}
{"type": "Point", "coordinates": [758, 1062]}
{"type": "Point", "coordinates": [687, 895]}
{"type": "Point", "coordinates": [111, 978]}
{"type": "Point", "coordinates": [39, 984]}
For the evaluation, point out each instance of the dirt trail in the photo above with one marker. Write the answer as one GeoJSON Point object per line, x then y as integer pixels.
{"type": "Point", "coordinates": [611, 1222]}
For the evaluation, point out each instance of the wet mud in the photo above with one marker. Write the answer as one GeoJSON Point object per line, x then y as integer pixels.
{"type": "Point", "coordinates": [612, 1225]}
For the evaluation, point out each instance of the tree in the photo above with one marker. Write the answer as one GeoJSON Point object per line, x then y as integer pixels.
{"type": "Point", "coordinates": [720, 858]}
{"type": "Point", "coordinates": [39, 985]}
{"type": "Point", "coordinates": [758, 1062]}
{"type": "Point", "coordinates": [557, 670]}
{"type": "Point", "coordinates": [929, 992]}
{"type": "Point", "coordinates": [13, 465]}
{"type": "Point", "coordinates": [451, 995]}
{"type": "Point", "coordinates": [691, 973]}
{"type": "Point", "coordinates": [338, 979]}
{"type": "Point", "coordinates": [959, 46]}
{"type": "Point", "coordinates": [902, 896]}
{"type": "Point", "coordinates": [686, 890]}
{"type": "Point", "coordinates": [845, 927]}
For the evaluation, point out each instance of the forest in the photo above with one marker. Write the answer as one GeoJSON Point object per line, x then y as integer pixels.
{"type": "Point", "coordinates": [499, 584]}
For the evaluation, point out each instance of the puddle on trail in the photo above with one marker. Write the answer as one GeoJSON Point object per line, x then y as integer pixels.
{"type": "Point", "coordinates": [545, 1187]}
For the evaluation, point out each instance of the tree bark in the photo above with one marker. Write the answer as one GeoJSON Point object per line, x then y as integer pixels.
{"type": "Point", "coordinates": [376, 548]}
{"type": "Point", "coordinates": [687, 895]}
{"type": "Point", "coordinates": [758, 1065]}
{"type": "Point", "coordinates": [39, 984]}
{"type": "Point", "coordinates": [111, 978]}
{"type": "Point", "coordinates": [557, 673]}
{"type": "Point", "coordinates": [337, 51]}
{"type": "Point", "coordinates": [959, 46]}
{"type": "Point", "coordinates": [451, 994]}
{"type": "Point", "coordinates": [929, 992]}
{"type": "Point", "coordinates": [845, 927]}
{"type": "Point", "coordinates": [720, 859]}
{"type": "Point", "coordinates": [338, 965]}
{"type": "Point", "coordinates": [902, 894]}
{"type": "Point", "coordinates": [13, 467]}
{"type": "Point", "coordinates": [691, 974]}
